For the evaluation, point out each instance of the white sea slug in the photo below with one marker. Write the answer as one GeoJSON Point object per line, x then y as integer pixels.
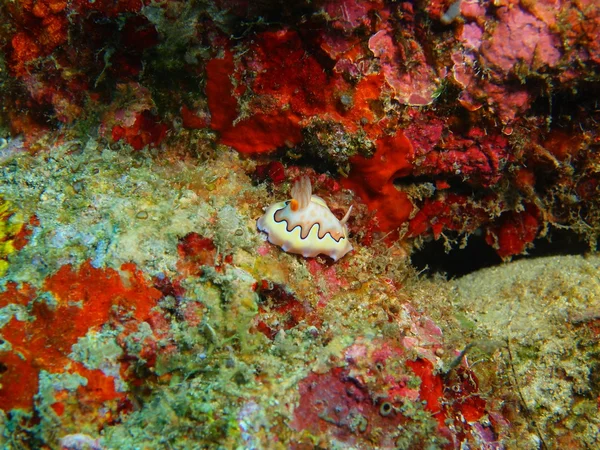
{"type": "Point", "coordinates": [305, 225]}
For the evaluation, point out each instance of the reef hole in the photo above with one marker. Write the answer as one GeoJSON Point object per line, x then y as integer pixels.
{"type": "Point", "coordinates": [433, 259]}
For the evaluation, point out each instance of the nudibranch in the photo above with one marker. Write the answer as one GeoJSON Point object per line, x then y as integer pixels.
{"type": "Point", "coordinates": [305, 225]}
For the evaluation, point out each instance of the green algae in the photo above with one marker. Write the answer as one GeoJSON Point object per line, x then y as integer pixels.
{"type": "Point", "coordinates": [88, 204]}
{"type": "Point", "coordinates": [95, 350]}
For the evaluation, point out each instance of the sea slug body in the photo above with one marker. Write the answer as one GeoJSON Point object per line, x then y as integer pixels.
{"type": "Point", "coordinates": [305, 225]}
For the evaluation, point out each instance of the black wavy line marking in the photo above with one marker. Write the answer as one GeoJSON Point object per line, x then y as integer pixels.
{"type": "Point", "coordinates": [300, 226]}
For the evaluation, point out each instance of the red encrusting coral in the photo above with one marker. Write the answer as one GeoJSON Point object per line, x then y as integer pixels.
{"type": "Point", "coordinates": [520, 38]}
{"type": "Point", "coordinates": [85, 299]}
{"type": "Point", "coordinates": [514, 231]}
{"type": "Point", "coordinates": [477, 157]}
{"type": "Point", "coordinates": [334, 403]}
{"type": "Point", "coordinates": [289, 87]}
{"type": "Point", "coordinates": [372, 179]}
{"type": "Point", "coordinates": [147, 130]}
{"type": "Point", "coordinates": [287, 73]}
{"type": "Point", "coordinates": [461, 389]}
{"type": "Point", "coordinates": [417, 85]}
{"type": "Point", "coordinates": [273, 171]}
{"type": "Point", "coordinates": [95, 402]}
{"type": "Point", "coordinates": [192, 120]}
{"type": "Point", "coordinates": [262, 132]}
{"type": "Point", "coordinates": [41, 28]}
{"type": "Point", "coordinates": [431, 388]}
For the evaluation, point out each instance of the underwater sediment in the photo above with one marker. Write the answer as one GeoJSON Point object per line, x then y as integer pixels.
{"type": "Point", "coordinates": [140, 306]}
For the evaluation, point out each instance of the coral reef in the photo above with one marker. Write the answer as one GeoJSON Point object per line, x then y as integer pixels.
{"type": "Point", "coordinates": [140, 141]}
{"type": "Point", "coordinates": [190, 329]}
{"type": "Point", "coordinates": [479, 89]}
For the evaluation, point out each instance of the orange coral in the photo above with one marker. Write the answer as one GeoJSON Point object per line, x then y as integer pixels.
{"type": "Point", "coordinates": [290, 87]}
{"type": "Point", "coordinates": [25, 49]}
{"type": "Point", "coordinates": [514, 232]}
{"type": "Point", "coordinates": [42, 28]}
{"type": "Point", "coordinates": [373, 180]}
{"type": "Point", "coordinates": [262, 132]}
{"type": "Point", "coordinates": [86, 298]}
{"type": "Point", "coordinates": [146, 130]}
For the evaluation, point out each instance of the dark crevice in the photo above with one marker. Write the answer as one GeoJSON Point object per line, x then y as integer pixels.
{"type": "Point", "coordinates": [433, 259]}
